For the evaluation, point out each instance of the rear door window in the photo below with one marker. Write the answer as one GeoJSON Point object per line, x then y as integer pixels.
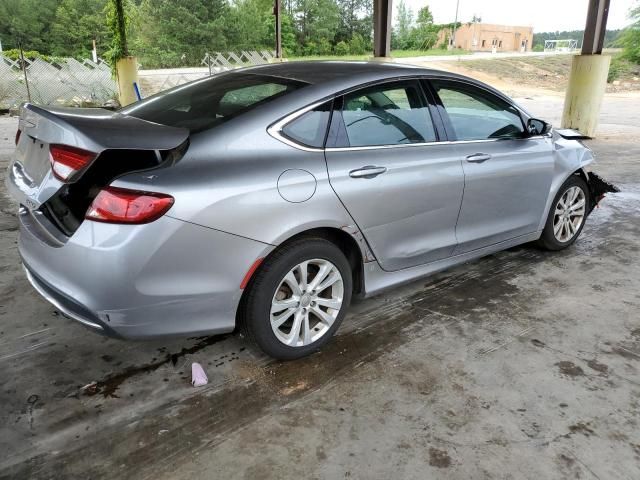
{"type": "Point", "coordinates": [209, 102]}
{"type": "Point", "coordinates": [392, 113]}
{"type": "Point", "coordinates": [476, 114]}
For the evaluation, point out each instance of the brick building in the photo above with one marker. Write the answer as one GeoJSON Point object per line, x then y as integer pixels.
{"type": "Point", "coordinates": [485, 37]}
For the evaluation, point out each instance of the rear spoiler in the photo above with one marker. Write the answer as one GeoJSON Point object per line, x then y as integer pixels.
{"type": "Point", "coordinates": [98, 129]}
{"type": "Point", "coordinates": [571, 134]}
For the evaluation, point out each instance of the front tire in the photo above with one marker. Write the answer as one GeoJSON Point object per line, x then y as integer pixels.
{"type": "Point", "coordinates": [567, 215]}
{"type": "Point", "coordinates": [297, 299]}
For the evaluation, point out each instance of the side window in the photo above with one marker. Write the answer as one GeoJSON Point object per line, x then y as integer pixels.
{"type": "Point", "coordinates": [476, 114]}
{"type": "Point", "coordinates": [388, 114]}
{"type": "Point", "coordinates": [310, 128]}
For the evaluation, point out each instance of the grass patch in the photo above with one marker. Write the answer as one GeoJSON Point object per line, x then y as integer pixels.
{"type": "Point", "coordinates": [427, 53]}
{"type": "Point", "coordinates": [622, 69]}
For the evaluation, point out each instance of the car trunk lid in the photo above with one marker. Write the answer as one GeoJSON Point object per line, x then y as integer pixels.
{"type": "Point", "coordinates": [30, 179]}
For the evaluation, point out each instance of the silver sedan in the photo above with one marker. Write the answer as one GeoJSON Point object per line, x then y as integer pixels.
{"type": "Point", "coordinates": [265, 198]}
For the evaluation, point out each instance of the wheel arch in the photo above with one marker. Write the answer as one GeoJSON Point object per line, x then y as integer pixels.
{"type": "Point", "coordinates": [347, 239]}
{"type": "Point", "coordinates": [354, 248]}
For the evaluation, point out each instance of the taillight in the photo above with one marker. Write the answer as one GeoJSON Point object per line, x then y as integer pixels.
{"type": "Point", "coordinates": [120, 205]}
{"type": "Point", "coordinates": [66, 161]}
{"type": "Point", "coordinates": [18, 136]}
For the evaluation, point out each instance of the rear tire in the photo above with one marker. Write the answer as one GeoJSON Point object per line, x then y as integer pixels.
{"type": "Point", "coordinates": [567, 215]}
{"type": "Point", "coordinates": [297, 299]}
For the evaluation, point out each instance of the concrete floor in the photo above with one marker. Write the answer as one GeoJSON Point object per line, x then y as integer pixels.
{"type": "Point", "coordinates": [524, 364]}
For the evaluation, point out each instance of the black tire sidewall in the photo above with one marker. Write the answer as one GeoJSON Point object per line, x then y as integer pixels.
{"type": "Point", "coordinates": [548, 239]}
{"type": "Point", "coordinates": [268, 278]}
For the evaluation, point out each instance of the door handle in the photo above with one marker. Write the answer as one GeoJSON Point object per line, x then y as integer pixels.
{"type": "Point", "coordinates": [368, 171]}
{"type": "Point", "coordinates": [478, 157]}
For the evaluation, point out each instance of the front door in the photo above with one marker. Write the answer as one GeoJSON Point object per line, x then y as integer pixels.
{"type": "Point", "coordinates": [508, 173]}
{"type": "Point", "coordinates": [402, 187]}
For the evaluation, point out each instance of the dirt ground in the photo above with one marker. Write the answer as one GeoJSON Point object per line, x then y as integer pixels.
{"type": "Point", "coordinates": [521, 365]}
{"type": "Point", "coordinates": [534, 73]}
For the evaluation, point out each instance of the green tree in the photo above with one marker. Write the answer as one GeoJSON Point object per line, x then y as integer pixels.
{"type": "Point", "coordinates": [342, 48]}
{"type": "Point", "coordinates": [317, 20]}
{"type": "Point", "coordinates": [355, 17]}
{"type": "Point", "coordinates": [401, 33]}
{"type": "Point", "coordinates": [26, 21]}
{"type": "Point", "coordinates": [358, 45]}
{"type": "Point", "coordinates": [425, 17]}
{"type": "Point", "coordinates": [631, 36]}
{"type": "Point", "coordinates": [425, 35]}
{"type": "Point", "coordinates": [171, 33]}
{"type": "Point", "coordinates": [251, 25]}
{"type": "Point", "coordinates": [76, 24]}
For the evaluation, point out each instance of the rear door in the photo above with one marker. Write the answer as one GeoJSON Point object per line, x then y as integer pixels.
{"type": "Point", "coordinates": [401, 185]}
{"type": "Point", "coordinates": [507, 173]}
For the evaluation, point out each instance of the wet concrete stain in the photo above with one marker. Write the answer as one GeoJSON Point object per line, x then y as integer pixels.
{"type": "Point", "coordinates": [110, 384]}
{"type": "Point", "coordinates": [598, 367]}
{"type": "Point", "coordinates": [582, 428]}
{"type": "Point", "coordinates": [439, 458]}
{"type": "Point", "coordinates": [205, 420]}
{"type": "Point", "coordinates": [569, 369]}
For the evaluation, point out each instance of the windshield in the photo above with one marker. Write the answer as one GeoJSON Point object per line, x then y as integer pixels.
{"type": "Point", "coordinates": [203, 104]}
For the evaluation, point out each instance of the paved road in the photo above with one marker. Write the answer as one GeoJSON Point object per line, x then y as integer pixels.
{"type": "Point", "coordinates": [524, 364]}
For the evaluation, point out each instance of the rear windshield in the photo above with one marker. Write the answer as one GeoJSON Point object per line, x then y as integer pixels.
{"type": "Point", "coordinates": [206, 103]}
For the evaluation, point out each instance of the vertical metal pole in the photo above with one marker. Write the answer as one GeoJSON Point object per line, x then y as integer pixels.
{"type": "Point", "coordinates": [455, 25]}
{"type": "Point", "coordinates": [94, 52]}
{"type": "Point", "coordinates": [594, 30]}
{"type": "Point", "coordinates": [276, 12]}
{"type": "Point", "coordinates": [382, 28]}
{"type": "Point", "coordinates": [24, 71]}
{"type": "Point", "coordinates": [208, 57]}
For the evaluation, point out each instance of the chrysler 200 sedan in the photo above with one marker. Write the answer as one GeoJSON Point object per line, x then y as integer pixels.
{"type": "Point", "coordinates": [267, 197]}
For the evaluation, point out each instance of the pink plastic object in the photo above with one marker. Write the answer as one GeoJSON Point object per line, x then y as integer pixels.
{"type": "Point", "coordinates": [198, 377]}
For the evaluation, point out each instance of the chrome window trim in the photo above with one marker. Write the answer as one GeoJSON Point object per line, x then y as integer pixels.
{"type": "Point", "coordinates": [425, 144]}
{"type": "Point", "coordinates": [275, 129]}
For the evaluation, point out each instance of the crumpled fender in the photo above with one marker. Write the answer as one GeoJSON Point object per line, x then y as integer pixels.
{"type": "Point", "coordinates": [573, 157]}
{"type": "Point", "coordinates": [598, 187]}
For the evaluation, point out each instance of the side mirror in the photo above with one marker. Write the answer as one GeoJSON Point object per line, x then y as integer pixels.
{"type": "Point", "coordinates": [538, 127]}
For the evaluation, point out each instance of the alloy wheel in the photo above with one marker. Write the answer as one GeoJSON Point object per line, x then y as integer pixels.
{"type": "Point", "coordinates": [569, 214]}
{"type": "Point", "coordinates": [307, 302]}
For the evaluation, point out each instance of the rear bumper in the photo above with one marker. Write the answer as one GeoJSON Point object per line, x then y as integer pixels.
{"type": "Point", "coordinates": [67, 306]}
{"type": "Point", "coordinates": [164, 278]}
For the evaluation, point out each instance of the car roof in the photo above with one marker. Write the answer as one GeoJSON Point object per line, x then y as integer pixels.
{"type": "Point", "coordinates": [338, 75]}
{"type": "Point", "coordinates": [328, 77]}
{"type": "Point", "coordinates": [317, 72]}
{"type": "Point", "coordinates": [331, 71]}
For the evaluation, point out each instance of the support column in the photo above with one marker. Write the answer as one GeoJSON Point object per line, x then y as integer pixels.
{"type": "Point", "coordinates": [126, 76]}
{"type": "Point", "coordinates": [382, 28]}
{"type": "Point", "coordinates": [277, 12]}
{"type": "Point", "coordinates": [588, 76]}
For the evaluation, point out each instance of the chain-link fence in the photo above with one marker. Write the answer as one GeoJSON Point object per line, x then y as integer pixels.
{"type": "Point", "coordinates": [69, 82]}
{"type": "Point", "coordinates": [63, 81]}
{"type": "Point", "coordinates": [157, 80]}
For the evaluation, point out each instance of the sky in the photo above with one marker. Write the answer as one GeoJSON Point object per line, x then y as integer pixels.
{"type": "Point", "coordinates": [542, 15]}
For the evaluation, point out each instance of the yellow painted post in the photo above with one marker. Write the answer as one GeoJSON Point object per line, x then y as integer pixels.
{"type": "Point", "coordinates": [126, 75]}
{"type": "Point", "coordinates": [587, 83]}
